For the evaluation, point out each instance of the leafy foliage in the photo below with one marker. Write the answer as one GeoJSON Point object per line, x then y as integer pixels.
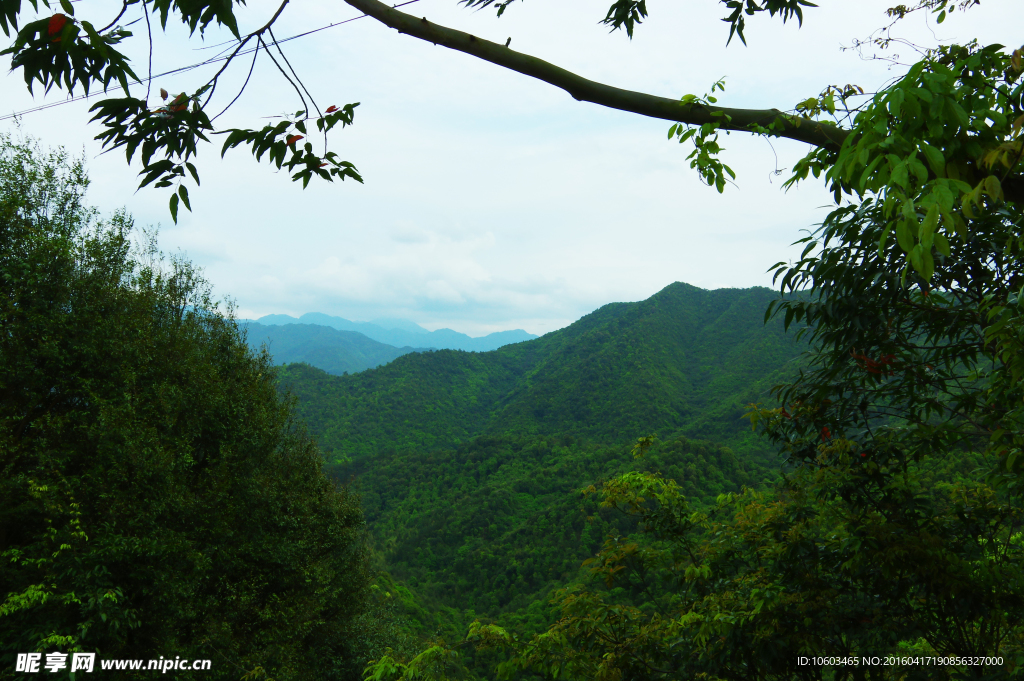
{"type": "Point", "coordinates": [491, 529]}
{"type": "Point", "coordinates": [53, 51]}
{"type": "Point", "coordinates": [495, 524]}
{"type": "Point", "coordinates": [938, 145]}
{"type": "Point", "coordinates": [175, 128]}
{"type": "Point", "coordinates": [156, 496]}
{"type": "Point", "coordinates": [746, 587]}
{"type": "Point", "coordinates": [66, 59]}
{"type": "Point", "coordinates": [704, 157]}
{"type": "Point", "coordinates": [786, 9]}
{"type": "Point", "coordinates": [266, 141]}
{"type": "Point", "coordinates": [628, 13]}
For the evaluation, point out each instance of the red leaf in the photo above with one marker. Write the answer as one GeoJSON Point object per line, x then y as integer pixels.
{"type": "Point", "coordinates": [332, 109]}
{"type": "Point", "coordinates": [292, 139]}
{"type": "Point", "coordinates": [56, 25]}
{"type": "Point", "coordinates": [179, 103]}
{"type": "Point", "coordinates": [825, 434]}
{"type": "Point", "coordinates": [163, 93]}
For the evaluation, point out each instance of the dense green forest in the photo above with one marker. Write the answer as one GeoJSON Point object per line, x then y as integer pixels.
{"type": "Point", "coordinates": [469, 465]}
{"type": "Point", "coordinates": [492, 527]}
{"type": "Point", "coordinates": [891, 544]}
{"type": "Point", "coordinates": [157, 497]}
{"type": "Point", "coordinates": [684, 361]}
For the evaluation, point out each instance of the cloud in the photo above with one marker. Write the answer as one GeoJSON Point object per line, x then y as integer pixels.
{"type": "Point", "coordinates": [493, 200]}
{"type": "Point", "coordinates": [407, 233]}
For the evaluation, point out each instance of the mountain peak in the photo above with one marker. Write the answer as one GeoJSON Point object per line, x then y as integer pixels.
{"type": "Point", "coordinates": [684, 360]}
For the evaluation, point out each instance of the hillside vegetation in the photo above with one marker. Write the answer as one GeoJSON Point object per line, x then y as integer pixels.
{"type": "Point", "coordinates": [685, 361]}
{"type": "Point", "coordinates": [157, 497]}
{"type": "Point", "coordinates": [469, 465]}
{"type": "Point", "coordinates": [491, 528]}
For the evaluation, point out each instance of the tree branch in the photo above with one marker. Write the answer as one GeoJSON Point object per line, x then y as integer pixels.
{"type": "Point", "coordinates": [812, 132]}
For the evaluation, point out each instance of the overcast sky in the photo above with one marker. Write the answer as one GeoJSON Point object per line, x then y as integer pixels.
{"type": "Point", "coordinates": [493, 201]}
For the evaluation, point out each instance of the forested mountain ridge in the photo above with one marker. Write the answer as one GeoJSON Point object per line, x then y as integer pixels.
{"type": "Point", "coordinates": [469, 464]}
{"type": "Point", "coordinates": [684, 361]}
{"type": "Point", "coordinates": [336, 352]}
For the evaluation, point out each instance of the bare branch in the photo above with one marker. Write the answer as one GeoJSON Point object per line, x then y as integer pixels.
{"type": "Point", "coordinates": [291, 68]}
{"type": "Point", "coordinates": [272, 20]}
{"type": "Point", "coordinates": [252, 66]}
{"type": "Point", "coordinates": [124, 8]}
{"type": "Point", "coordinates": [285, 74]}
{"type": "Point", "coordinates": [227, 62]}
{"type": "Point", "coordinates": [812, 132]}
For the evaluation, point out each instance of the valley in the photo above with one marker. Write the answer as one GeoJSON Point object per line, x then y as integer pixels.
{"type": "Point", "coordinates": [470, 465]}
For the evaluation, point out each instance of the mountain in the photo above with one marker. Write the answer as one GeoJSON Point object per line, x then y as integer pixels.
{"type": "Point", "coordinates": [404, 333]}
{"type": "Point", "coordinates": [684, 361]}
{"type": "Point", "coordinates": [469, 465]}
{"type": "Point", "coordinates": [333, 351]}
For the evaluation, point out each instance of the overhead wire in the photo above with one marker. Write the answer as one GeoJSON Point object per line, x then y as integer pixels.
{"type": "Point", "coordinates": [207, 62]}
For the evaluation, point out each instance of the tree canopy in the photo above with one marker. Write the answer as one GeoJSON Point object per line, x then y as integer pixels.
{"type": "Point", "coordinates": [156, 495]}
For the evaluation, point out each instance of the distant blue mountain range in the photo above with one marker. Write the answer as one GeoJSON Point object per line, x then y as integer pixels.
{"type": "Point", "coordinates": [336, 352]}
{"type": "Point", "coordinates": [402, 333]}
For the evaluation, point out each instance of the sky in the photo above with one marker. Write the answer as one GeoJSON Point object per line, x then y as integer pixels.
{"type": "Point", "coordinates": [493, 201]}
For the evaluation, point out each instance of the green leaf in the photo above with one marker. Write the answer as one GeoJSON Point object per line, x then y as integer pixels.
{"type": "Point", "coordinates": [903, 236]}
{"type": "Point", "coordinates": [928, 263]}
{"type": "Point", "coordinates": [183, 193]}
{"type": "Point", "coordinates": [920, 172]}
{"type": "Point", "coordinates": [67, 7]}
{"type": "Point", "coordinates": [916, 260]}
{"type": "Point", "coordinates": [192, 170]}
{"type": "Point", "coordinates": [882, 240]}
{"type": "Point", "coordinates": [959, 112]}
{"type": "Point", "coordinates": [927, 229]}
{"type": "Point", "coordinates": [174, 208]}
{"type": "Point", "coordinates": [899, 174]}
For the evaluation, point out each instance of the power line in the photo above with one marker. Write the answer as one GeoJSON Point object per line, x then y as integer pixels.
{"type": "Point", "coordinates": [212, 60]}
